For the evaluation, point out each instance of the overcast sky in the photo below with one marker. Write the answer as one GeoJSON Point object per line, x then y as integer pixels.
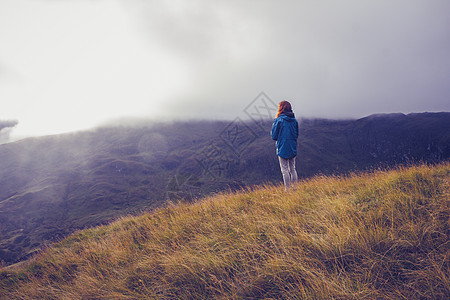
{"type": "Point", "coordinates": [73, 64]}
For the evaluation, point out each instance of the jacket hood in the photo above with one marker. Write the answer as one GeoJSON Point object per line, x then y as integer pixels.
{"type": "Point", "coordinates": [288, 116]}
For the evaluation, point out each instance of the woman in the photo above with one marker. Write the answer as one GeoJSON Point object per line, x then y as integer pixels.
{"type": "Point", "coordinates": [285, 133]}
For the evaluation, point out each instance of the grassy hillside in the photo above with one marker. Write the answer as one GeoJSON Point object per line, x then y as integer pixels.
{"type": "Point", "coordinates": [376, 235]}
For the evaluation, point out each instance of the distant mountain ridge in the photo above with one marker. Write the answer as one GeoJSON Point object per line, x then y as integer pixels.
{"type": "Point", "coordinates": [55, 185]}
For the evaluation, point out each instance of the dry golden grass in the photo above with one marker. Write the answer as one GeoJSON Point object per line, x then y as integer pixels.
{"type": "Point", "coordinates": [377, 235]}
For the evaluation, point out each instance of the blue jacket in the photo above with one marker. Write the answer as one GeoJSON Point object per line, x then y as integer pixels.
{"type": "Point", "coordinates": [285, 133]}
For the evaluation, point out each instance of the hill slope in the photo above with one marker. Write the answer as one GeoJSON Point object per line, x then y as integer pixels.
{"type": "Point", "coordinates": [379, 235]}
{"type": "Point", "coordinates": [52, 186]}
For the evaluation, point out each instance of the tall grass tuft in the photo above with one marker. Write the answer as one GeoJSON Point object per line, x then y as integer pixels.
{"type": "Point", "coordinates": [374, 235]}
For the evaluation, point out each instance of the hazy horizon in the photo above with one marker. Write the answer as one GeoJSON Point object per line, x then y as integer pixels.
{"type": "Point", "coordinates": [74, 65]}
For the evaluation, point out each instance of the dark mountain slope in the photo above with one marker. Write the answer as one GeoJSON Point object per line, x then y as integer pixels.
{"type": "Point", "coordinates": [398, 138]}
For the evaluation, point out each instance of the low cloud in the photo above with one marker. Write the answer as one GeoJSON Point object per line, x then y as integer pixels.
{"type": "Point", "coordinates": [6, 127]}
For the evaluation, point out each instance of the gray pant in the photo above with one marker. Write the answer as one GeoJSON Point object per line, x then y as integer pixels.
{"type": "Point", "coordinates": [288, 170]}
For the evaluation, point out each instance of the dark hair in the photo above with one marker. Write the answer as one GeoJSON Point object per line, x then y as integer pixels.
{"type": "Point", "coordinates": [284, 108]}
